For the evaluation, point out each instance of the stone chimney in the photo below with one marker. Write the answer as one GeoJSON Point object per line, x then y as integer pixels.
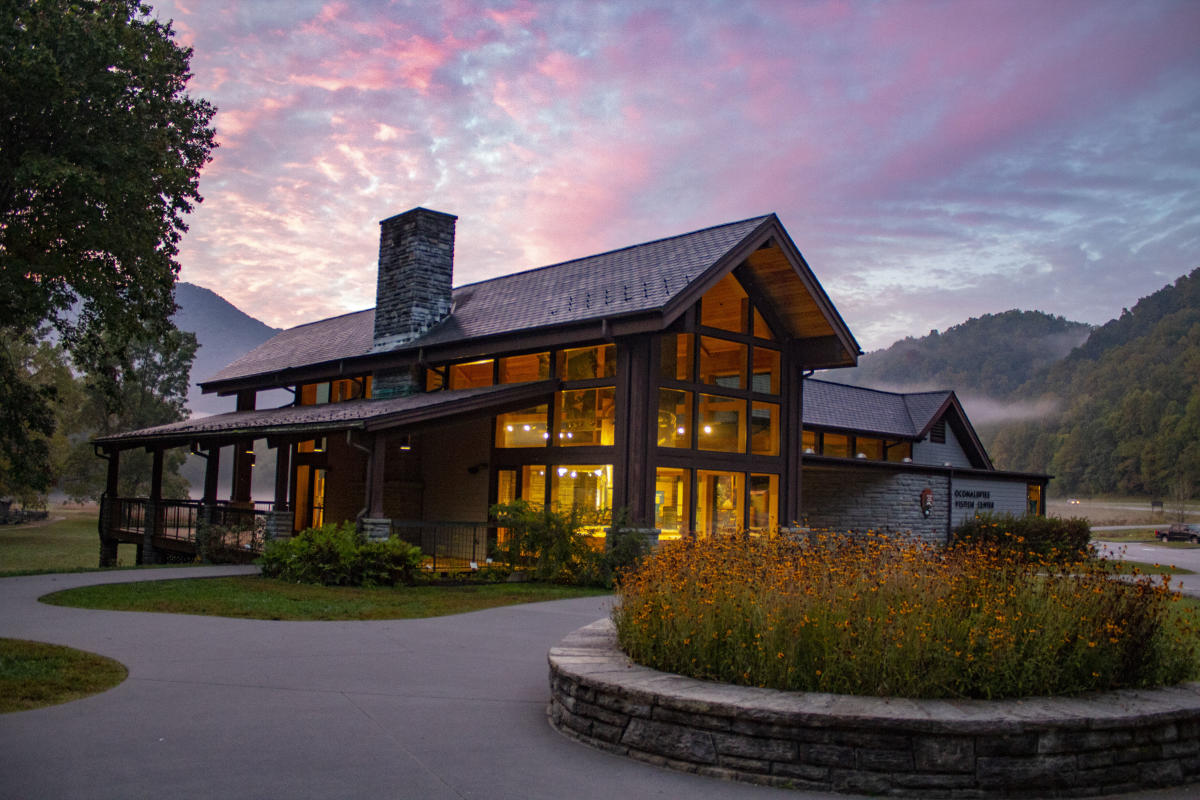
{"type": "Point", "coordinates": [416, 267]}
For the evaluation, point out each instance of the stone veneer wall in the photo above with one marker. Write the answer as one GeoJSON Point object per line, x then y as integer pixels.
{"type": "Point", "coordinates": [874, 499]}
{"type": "Point", "coordinates": [413, 289]}
{"type": "Point", "coordinates": [1039, 747]}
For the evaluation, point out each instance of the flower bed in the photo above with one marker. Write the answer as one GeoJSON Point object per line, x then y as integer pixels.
{"type": "Point", "coordinates": [882, 616]}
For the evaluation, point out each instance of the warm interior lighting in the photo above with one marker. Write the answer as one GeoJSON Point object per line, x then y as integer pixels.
{"type": "Point", "coordinates": [679, 430]}
{"type": "Point", "coordinates": [562, 471]}
{"type": "Point", "coordinates": [708, 428]}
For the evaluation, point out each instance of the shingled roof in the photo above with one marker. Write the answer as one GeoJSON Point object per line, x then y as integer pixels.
{"type": "Point", "coordinates": [360, 414]}
{"type": "Point", "coordinates": [855, 408]}
{"type": "Point", "coordinates": [637, 279]}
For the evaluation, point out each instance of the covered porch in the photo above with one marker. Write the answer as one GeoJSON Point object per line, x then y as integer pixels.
{"type": "Point", "coordinates": [417, 467]}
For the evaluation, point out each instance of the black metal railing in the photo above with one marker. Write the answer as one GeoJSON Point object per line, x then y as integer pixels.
{"type": "Point", "coordinates": [448, 546]}
{"type": "Point", "coordinates": [237, 526]}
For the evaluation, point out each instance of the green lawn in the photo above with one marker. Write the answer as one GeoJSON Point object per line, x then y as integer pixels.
{"type": "Point", "coordinates": [253, 597]}
{"type": "Point", "coordinates": [33, 674]}
{"type": "Point", "coordinates": [68, 543]}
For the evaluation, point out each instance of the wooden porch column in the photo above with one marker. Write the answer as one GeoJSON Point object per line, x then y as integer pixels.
{"type": "Point", "coordinates": [283, 473]}
{"type": "Point", "coordinates": [793, 440]}
{"type": "Point", "coordinates": [377, 467]}
{"type": "Point", "coordinates": [152, 524]}
{"type": "Point", "coordinates": [110, 511]}
{"type": "Point", "coordinates": [633, 473]}
{"type": "Point", "coordinates": [243, 462]}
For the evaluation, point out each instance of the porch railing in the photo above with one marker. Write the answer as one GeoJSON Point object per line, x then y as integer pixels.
{"type": "Point", "coordinates": [448, 545]}
{"type": "Point", "coordinates": [179, 519]}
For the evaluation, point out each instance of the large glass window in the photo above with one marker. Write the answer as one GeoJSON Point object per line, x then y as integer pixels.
{"type": "Point", "coordinates": [586, 487]}
{"type": "Point", "coordinates": [674, 418]}
{"type": "Point", "coordinates": [722, 362]}
{"type": "Point", "coordinates": [435, 379]}
{"type": "Point", "coordinates": [588, 363]}
{"type": "Point", "coordinates": [764, 429]}
{"type": "Point", "coordinates": [724, 306]}
{"type": "Point", "coordinates": [868, 447]}
{"type": "Point", "coordinates": [525, 428]}
{"type": "Point", "coordinates": [898, 451]}
{"type": "Point", "coordinates": [671, 502]}
{"type": "Point", "coordinates": [808, 441]}
{"type": "Point", "coordinates": [521, 369]}
{"type": "Point", "coordinates": [764, 503]}
{"type": "Point", "coordinates": [675, 363]}
{"type": "Point", "coordinates": [761, 329]}
{"type": "Point", "coordinates": [719, 502]}
{"type": "Point", "coordinates": [835, 444]}
{"type": "Point", "coordinates": [471, 374]}
{"type": "Point", "coordinates": [765, 371]}
{"type": "Point", "coordinates": [585, 416]}
{"type": "Point", "coordinates": [722, 424]}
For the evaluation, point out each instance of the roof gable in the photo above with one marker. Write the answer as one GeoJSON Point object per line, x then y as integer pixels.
{"type": "Point", "coordinates": [904, 416]}
{"type": "Point", "coordinates": [660, 277]}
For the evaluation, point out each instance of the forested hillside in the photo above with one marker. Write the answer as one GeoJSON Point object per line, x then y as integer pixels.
{"type": "Point", "coordinates": [1116, 411]}
{"type": "Point", "coordinates": [992, 355]}
{"type": "Point", "coordinates": [1128, 417]}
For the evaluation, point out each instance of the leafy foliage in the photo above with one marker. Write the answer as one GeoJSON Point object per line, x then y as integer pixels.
{"type": "Point", "coordinates": [884, 616]}
{"type": "Point", "coordinates": [552, 547]}
{"type": "Point", "coordinates": [1050, 538]}
{"type": "Point", "coordinates": [968, 357]}
{"type": "Point", "coordinates": [338, 555]}
{"type": "Point", "coordinates": [1129, 404]}
{"type": "Point", "coordinates": [100, 155]}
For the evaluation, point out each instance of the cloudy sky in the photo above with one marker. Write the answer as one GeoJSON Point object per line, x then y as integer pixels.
{"type": "Point", "coordinates": [932, 160]}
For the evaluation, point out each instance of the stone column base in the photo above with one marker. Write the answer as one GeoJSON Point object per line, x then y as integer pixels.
{"type": "Point", "coordinates": [279, 525]}
{"type": "Point", "coordinates": [376, 527]}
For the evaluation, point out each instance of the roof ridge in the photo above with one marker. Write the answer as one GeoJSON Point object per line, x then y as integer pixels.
{"type": "Point", "coordinates": [614, 250]}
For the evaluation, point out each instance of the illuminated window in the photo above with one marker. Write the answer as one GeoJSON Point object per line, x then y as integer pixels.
{"type": "Point", "coordinates": [525, 428]}
{"type": "Point", "coordinates": [719, 503]}
{"type": "Point", "coordinates": [765, 371]}
{"type": "Point", "coordinates": [764, 429]}
{"type": "Point", "coordinates": [764, 503]}
{"type": "Point", "coordinates": [835, 444]}
{"type": "Point", "coordinates": [1033, 499]}
{"type": "Point", "coordinates": [724, 306]}
{"type": "Point", "coordinates": [722, 424]}
{"type": "Point", "coordinates": [435, 379]}
{"type": "Point", "coordinates": [674, 418]}
{"type": "Point", "coordinates": [808, 441]}
{"type": "Point", "coordinates": [898, 451]}
{"type": "Point", "coordinates": [722, 363]}
{"type": "Point", "coordinates": [588, 363]}
{"type": "Point", "coordinates": [471, 374]}
{"type": "Point", "coordinates": [521, 369]}
{"type": "Point", "coordinates": [314, 394]}
{"type": "Point", "coordinates": [761, 329]}
{"type": "Point", "coordinates": [586, 487]}
{"type": "Point", "coordinates": [344, 390]}
{"type": "Point", "coordinates": [311, 446]}
{"type": "Point", "coordinates": [585, 417]}
{"type": "Point", "coordinates": [671, 502]}
{"type": "Point", "coordinates": [676, 361]}
{"type": "Point", "coordinates": [868, 447]}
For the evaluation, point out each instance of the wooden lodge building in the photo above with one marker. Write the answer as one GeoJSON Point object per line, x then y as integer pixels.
{"type": "Point", "coordinates": [667, 379]}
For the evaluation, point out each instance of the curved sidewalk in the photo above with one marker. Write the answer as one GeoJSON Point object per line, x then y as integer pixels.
{"type": "Point", "coordinates": [449, 707]}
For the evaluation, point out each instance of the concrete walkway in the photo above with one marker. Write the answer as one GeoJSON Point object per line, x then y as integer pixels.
{"type": "Point", "coordinates": [452, 707]}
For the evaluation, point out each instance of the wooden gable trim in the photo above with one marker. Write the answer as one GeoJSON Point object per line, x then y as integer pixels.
{"type": "Point", "coordinates": [951, 409]}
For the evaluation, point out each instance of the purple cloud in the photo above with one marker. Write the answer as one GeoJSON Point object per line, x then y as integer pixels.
{"type": "Point", "coordinates": [932, 160]}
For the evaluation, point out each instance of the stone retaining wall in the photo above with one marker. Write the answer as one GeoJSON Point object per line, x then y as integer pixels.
{"type": "Point", "coordinates": [1041, 747]}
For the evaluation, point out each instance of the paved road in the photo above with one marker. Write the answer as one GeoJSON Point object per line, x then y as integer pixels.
{"type": "Point", "coordinates": [1182, 556]}
{"type": "Point", "coordinates": [440, 708]}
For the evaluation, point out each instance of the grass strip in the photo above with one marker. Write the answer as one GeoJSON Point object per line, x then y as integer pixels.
{"type": "Point", "coordinates": [34, 674]}
{"type": "Point", "coordinates": [253, 597]}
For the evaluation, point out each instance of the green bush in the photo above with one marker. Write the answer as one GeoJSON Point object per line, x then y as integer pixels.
{"type": "Point", "coordinates": [1047, 537]}
{"type": "Point", "coordinates": [339, 555]}
{"type": "Point", "coordinates": [551, 546]}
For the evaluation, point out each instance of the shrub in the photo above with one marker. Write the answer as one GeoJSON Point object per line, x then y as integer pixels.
{"type": "Point", "coordinates": [1047, 537]}
{"type": "Point", "coordinates": [891, 617]}
{"type": "Point", "coordinates": [552, 547]}
{"type": "Point", "coordinates": [221, 544]}
{"type": "Point", "coordinates": [339, 555]}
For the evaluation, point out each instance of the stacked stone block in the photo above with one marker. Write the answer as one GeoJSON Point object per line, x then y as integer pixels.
{"type": "Point", "coordinates": [1039, 747]}
{"type": "Point", "coordinates": [879, 500]}
{"type": "Point", "coordinates": [413, 290]}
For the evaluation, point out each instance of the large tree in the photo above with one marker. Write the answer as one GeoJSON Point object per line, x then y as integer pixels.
{"type": "Point", "coordinates": [100, 154]}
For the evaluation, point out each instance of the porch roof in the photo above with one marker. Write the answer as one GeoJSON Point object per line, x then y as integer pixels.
{"type": "Point", "coordinates": [356, 414]}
